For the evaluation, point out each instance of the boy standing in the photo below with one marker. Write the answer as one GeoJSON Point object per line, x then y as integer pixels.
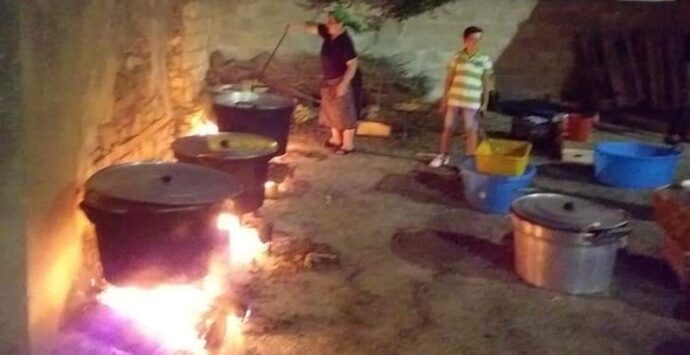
{"type": "Point", "coordinates": [465, 94]}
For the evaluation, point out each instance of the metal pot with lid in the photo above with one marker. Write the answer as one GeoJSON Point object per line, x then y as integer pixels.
{"type": "Point", "coordinates": [244, 156]}
{"type": "Point", "coordinates": [265, 114]}
{"type": "Point", "coordinates": [566, 243]}
{"type": "Point", "coordinates": [156, 221]}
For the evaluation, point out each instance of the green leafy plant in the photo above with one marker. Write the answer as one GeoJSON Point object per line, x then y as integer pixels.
{"type": "Point", "coordinates": [397, 10]}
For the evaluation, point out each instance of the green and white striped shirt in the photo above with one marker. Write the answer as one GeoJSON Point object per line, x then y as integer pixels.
{"type": "Point", "coordinates": [467, 87]}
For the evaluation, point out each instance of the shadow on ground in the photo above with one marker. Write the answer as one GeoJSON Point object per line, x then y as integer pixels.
{"type": "Point", "coordinates": [433, 186]}
{"type": "Point", "coordinates": [674, 346]}
{"type": "Point", "coordinates": [642, 282]}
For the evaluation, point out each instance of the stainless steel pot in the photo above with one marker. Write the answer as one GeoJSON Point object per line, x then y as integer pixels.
{"type": "Point", "coordinates": [566, 244]}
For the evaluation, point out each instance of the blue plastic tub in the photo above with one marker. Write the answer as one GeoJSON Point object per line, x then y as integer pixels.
{"type": "Point", "coordinates": [635, 165]}
{"type": "Point", "coordinates": [493, 193]}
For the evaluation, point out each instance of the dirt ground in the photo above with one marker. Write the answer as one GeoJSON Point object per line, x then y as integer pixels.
{"type": "Point", "coordinates": [421, 273]}
{"type": "Point", "coordinates": [424, 274]}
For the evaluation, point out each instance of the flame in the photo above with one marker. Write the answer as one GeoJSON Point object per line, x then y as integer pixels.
{"type": "Point", "coordinates": [228, 222]}
{"type": "Point", "coordinates": [202, 126]}
{"type": "Point", "coordinates": [170, 314]}
{"type": "Point", "coordinates": [245, 244]}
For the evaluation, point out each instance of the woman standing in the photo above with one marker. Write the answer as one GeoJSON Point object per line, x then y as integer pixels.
{"type": "Point", "coordinates": [341, 86]}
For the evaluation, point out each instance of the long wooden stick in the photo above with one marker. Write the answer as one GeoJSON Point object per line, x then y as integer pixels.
{"type": "Point", "coordinates": [263, 70]}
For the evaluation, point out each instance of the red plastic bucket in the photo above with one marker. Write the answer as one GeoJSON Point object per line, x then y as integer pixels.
{"type": "Point", "coordinates": [579, 127]}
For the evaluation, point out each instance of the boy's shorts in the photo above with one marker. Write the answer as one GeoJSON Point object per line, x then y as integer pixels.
{"type": "Point", "coordinates": [470, 118]}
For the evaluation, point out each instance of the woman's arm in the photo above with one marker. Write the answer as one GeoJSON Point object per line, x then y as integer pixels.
{"type": "Point", "coordinates": [347, 78]}
{"type": "Point", "coordinates": [306, 27]}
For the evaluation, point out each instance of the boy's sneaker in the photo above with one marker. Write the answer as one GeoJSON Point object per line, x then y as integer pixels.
{"type": "Point", "coordinates": [439, 161]}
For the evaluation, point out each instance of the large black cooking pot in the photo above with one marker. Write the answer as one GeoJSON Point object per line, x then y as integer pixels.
{"type": "Point", "coordinates": [264, 114]}
{"type": "Point", "coordinates": [244, 156]}
{"type": "Point", "coordinates": [155, 221]}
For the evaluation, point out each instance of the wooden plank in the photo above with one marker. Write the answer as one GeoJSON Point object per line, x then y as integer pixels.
{"type": "Point", "coordinates": [583, 46]}
{"type": "Point", "coordinates": [650, 57]}
{"type": "Point", "coordinates": [633, 61]}
{"type": "Point", "coordinates": [660, 70]}
{"type": "Point", "coordinates": [614, 71]}
{"type": "Point", "coordinates": [673, 57]}
{"type": "Point", "coordinates": [606, 92]}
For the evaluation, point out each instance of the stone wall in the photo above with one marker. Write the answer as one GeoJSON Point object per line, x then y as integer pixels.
{"type": "Point", "coordinates": [101, 83]}
{"type": "Point", "coordinates": [244, 28]}
{"type": "Point", "coordinates": [13, 318]}
{"type": "Point", "coordinates": [531, 41]}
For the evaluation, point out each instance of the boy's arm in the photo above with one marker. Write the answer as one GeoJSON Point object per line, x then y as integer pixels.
{"type": "Point", "coordinates": [488, 85]}
{"type": "Point", "coordinates": [446, 87]}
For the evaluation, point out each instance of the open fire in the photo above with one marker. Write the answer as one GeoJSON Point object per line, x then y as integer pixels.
{"type": "Point", "coordinates": [179, 317]}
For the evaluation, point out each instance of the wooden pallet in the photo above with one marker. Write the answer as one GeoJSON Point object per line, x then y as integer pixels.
{"type": "Point", "coordinates": [632, 69]}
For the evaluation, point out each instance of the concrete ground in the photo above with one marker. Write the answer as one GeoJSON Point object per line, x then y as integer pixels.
{"type": "Point", "coordinates": [424, 274]}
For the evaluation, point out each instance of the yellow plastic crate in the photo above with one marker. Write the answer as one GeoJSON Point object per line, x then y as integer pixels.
{"type": "Point", "coordinates": [503, 157]}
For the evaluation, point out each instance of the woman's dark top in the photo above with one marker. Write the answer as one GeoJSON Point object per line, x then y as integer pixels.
{"type": "Point", "coordinates": [335, 53]}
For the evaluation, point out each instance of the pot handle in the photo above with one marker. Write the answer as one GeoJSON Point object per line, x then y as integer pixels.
{"type": "Point", "coordinates": [601, 236]}
{"type": "Point", "coordinates": [529, 190]}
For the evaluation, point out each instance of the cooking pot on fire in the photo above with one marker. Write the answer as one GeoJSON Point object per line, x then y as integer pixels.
{"type": "Point", "coordinates": [265, 114]}
{"type": "Point", "coordinates": [156, 221]}
{"type": "Point", "coordinates": [565, 243]}
{"type": "Point", "coordinates": [244, 156]}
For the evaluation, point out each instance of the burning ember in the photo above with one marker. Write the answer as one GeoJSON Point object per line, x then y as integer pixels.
{"type": "Point", "coordinates": [272, 189]}
{"type": "Point", "coordinates": [177, 316]}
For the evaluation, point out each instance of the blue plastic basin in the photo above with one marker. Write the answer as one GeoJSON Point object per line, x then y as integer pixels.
{"type": "Point", "coordinates": [635, 165]}
{"type": "Point", "coordinates": [493, 193]}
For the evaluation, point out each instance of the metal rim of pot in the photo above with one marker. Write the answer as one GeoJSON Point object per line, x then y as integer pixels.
{"type": "Point", "coordinates": [156, 217]}
{"type": "Point", "coordinates": [252, 100]}
{"type": "Point", "coordinates": [572, 220]}
{"type": "Point", "coordinates": [172, 185]}
{"type": "Point", "coordinates": [226, 146]}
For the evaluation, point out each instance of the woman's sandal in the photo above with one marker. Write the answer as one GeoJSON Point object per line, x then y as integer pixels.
{"type": "Point", "coordinates": [329, 145]}
{"type": "Point", "coordinates": [342, 151]}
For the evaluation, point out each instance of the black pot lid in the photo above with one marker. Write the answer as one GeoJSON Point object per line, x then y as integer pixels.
{"type": "Point", "coordinates": [568, 213]}
{"type": "Point", "coordinates": [172, 184]}
{"type": "Point", "coordinates": [252, 100]}
{"type": "Point", "coordinates": [225, 146]}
